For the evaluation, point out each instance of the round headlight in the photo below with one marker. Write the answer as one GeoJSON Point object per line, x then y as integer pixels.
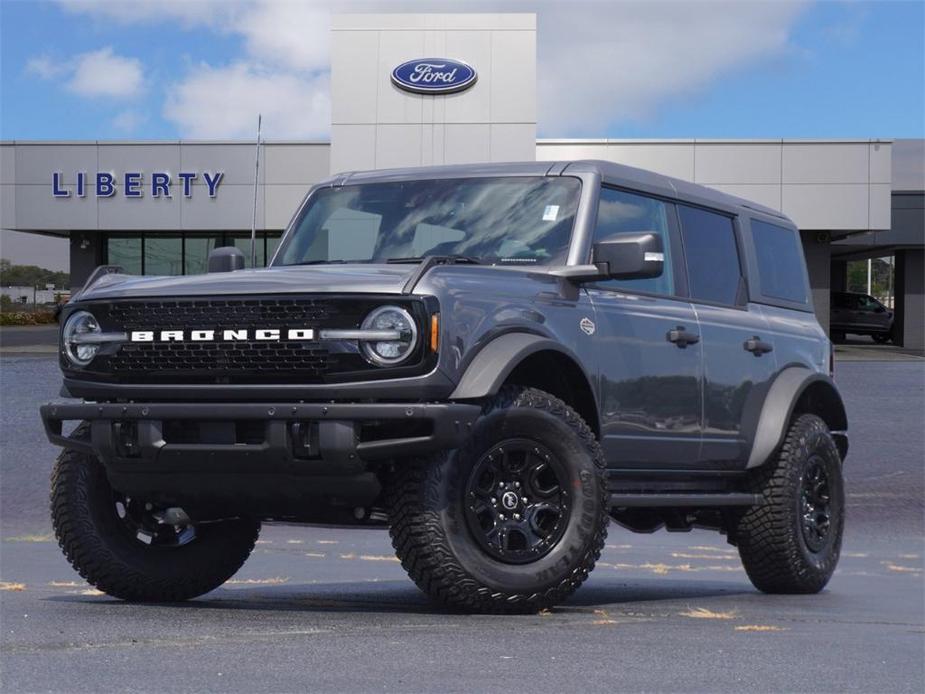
{"type": "Point", "coordinates": [392, 351]}
{"type": "Point", "coordinates": [79, 325]}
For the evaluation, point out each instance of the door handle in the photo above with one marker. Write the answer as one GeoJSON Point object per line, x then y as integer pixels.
{"type": "Point", "coordinates": [681, 337]}
{"type": "Point", "coordinates": [757, 346]}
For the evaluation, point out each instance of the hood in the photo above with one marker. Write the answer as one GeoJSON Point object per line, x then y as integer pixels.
{"type": "Point", "coordinates": [314, 279]}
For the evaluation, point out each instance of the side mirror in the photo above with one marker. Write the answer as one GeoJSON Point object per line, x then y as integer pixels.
{"type": "Point", "coordinates": [630, 256]}
{"type": "Point", "coordinates": [226, 259]}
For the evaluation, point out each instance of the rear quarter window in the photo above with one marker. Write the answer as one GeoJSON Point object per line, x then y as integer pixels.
{"type": "Point", "coordinates": [781, 273]}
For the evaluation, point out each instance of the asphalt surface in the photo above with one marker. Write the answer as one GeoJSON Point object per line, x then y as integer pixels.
{"type": "Point", "coordinates": [19, 336]}
{"type": "Point", "coordinates": [319, 609]}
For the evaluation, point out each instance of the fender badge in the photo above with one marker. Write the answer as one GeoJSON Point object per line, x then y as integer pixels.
{"type": "Point", "coordinates": [587, 326]}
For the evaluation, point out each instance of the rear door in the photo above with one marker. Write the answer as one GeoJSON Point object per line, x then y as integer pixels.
{"type": "Point", "coordinates": [843, 308]}
{"type": "Point", "coordinates": [650, 386]}
{"type": "Point", "coordinates": [737, 351]}
{"type": "Point", "coordinates": [872, 315]}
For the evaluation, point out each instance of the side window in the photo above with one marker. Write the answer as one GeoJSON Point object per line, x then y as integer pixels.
{"type": "Point", "coordinates": [868, 303]}
{"type": "Point", "coordinates": [627, 213]}
{"type": "Point", "coordinates": [780, 266]}
{"type": "Point", "coordinates": [713, 269]}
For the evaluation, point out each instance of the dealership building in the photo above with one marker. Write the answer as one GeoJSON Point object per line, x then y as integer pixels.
{"type": "Point", "coordinates": [160, 207]}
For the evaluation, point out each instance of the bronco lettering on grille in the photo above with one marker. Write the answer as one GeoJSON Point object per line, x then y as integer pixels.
{"type": "Point", "coordinates": [233, 335]}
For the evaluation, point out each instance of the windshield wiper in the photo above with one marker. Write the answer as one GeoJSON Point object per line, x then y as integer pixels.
{"type": "Point", "coordinates": [437, 259]}
{"type": "Point", "coordinates": [328, 262]}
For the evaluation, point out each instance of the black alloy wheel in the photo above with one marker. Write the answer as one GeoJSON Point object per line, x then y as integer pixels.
{"type": "Point", "coordinates": [790, 542]}
{"type": "Point", "coordinates": [134, 550]}
{"type": "Point", "coordinates": [513, 520]}
{"type": "Point", "coordinates": [815, 505]}
{"type": "Point", "coordinates": [517, 502]}
{"type": "Point", "coordinates": [152, 526]}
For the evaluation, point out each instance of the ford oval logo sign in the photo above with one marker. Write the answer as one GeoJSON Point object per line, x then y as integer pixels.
{"type": "Point", "coordinates": [434, 76]}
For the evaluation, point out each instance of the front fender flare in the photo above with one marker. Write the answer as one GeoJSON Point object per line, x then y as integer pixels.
{"type": "Point", "coordinates": [490, 368]}
{"type": "Point", "coordinates": [779, 404]}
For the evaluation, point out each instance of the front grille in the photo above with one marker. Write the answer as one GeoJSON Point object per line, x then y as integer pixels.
{"type": "Point", "coordinates": [245, 361]}
{"type": "Point", "coordinates": [213, 313]}
{"type": "Point", "coordinates": [232, 357]}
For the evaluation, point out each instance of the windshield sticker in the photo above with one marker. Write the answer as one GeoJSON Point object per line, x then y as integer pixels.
{"type": "Point", "coordinates": [551, 213]}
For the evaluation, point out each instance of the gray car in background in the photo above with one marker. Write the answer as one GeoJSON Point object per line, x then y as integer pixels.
{"type": "Point", "coordinates": [860, 314]}
{"type": "Point", "coordinates": [494, 360]}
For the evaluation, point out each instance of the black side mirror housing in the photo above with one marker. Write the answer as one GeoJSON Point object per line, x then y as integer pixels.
{"type": "Point", "coordinates": [630, 256]}
{"type": "Point", "coordinates": [226, 259]}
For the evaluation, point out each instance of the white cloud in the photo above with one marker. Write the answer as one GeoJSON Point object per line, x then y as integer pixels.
{"type": "Point", "coordinates": [45, 66]}
{"type": "Point", "coordinates": [97, 73]}
{"type": "Point", "coordinates": [599, 63]}
{"type": "Point", "coordinates": [128, 121]}
{"type": "Point", "coordinates": [223, 103]}
{"type": "Point", "coordinates": [188, 12]}
{"type": "Point", "coordinates": [625, 61]}
{"type": "Point", "coordinates": [292, 35]}
{"type": "Point", "coordinates": [103, 73]}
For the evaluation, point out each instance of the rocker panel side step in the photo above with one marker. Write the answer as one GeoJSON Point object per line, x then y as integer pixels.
{"type": "Point", "coordinates": [666, 500]}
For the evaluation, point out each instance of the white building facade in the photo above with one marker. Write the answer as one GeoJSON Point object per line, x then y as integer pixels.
{"type": "Point", "coordinates": [160, 207]}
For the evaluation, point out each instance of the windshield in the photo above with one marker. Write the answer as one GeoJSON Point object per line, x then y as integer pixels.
{"type": "Point", "coordinates": [514, 220]}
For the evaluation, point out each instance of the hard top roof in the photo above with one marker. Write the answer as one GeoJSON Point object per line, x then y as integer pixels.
{"type": "Point", "coordinates": [610, 172]}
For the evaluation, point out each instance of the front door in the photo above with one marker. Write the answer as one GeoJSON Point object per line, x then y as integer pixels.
{"type": "Point", "coordinates": [647, 347]}
{"type": "Point", "coordinates": [872, 315]}
{"type": "Point", "coordinates": [738, 355]}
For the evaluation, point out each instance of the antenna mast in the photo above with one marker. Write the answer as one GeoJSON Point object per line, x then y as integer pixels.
{"type": "Point", "coordinates": [256, 178]}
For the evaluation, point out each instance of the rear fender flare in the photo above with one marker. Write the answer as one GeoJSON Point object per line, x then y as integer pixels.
{"type": "Point", "coordinates": [785, 393]}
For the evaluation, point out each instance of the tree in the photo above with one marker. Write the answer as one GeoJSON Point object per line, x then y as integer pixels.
{"type": "Point", "coordinates": [31, 276]}
{"type": "Point", "coordinates": [880, 284]}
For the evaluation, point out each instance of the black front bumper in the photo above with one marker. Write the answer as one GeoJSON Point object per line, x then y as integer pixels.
{"type": "Point", "coordinates": [257, 450]}
{"type": "Point", "coordinates": [338, 442]}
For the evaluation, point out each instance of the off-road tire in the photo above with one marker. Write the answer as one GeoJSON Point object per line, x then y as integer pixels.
{"type": "Point", "coordinates": [97, 545]}
{"type": "Point", "coordinates": [770, 538]}
{"type": "Point", "coordinates": [439, 551]}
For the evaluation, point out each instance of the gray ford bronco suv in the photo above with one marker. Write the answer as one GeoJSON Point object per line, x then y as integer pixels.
{"type": "Point", "coordinates": [493, 360]}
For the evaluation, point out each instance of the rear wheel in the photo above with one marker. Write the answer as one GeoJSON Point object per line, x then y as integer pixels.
{"type": "Point", "coordinates": [133, 550]}
{"type": "Point", "coordinates": [514, 520]}
{"type": "Point", "coordinates": [790, 543]}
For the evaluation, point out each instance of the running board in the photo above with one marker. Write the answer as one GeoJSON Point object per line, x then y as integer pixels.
{"type": "Point", "coordinates": [683, 500]}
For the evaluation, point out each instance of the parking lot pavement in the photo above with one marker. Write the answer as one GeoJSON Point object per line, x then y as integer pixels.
{"type": "Point", "coordinates": [320, 610]}
{"type": "Point", "coordinates": [330, 609]}
{"type": "Point", "coordinates": [39, 339]}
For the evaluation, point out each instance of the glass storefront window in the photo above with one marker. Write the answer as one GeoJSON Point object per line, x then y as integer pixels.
{"type": "Point", "coordinates": [163, 254]}
{"type": "Point", "coordinates": [125, 250]}
{"type": "Point", "coordinates": [151, 253]}
{"type": "Point", "coordinates": [273, 239]}
{"type": "Point", "coordinates": [244, 243]}
{"type": "Point", "coordinates": [198, 247]}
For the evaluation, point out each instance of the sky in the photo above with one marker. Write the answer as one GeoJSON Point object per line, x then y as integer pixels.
{"type": "Point", "coordinates": [160, 69]}
{"type": "Point", "coordinates": [199, 69]}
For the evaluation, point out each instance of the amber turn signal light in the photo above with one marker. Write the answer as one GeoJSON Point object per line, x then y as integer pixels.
{"type": "Point", "coordinates": [434, 332]}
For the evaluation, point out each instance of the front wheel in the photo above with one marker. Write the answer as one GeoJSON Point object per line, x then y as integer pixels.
{"type": "Point", "coordinates": [133, 550]}
{"type": "Point", "coordinates": [514, 520]}
{"type": "Point", "coordinates": [882, 338]}
{"type": "Point", "coordinates": [791, 541]}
